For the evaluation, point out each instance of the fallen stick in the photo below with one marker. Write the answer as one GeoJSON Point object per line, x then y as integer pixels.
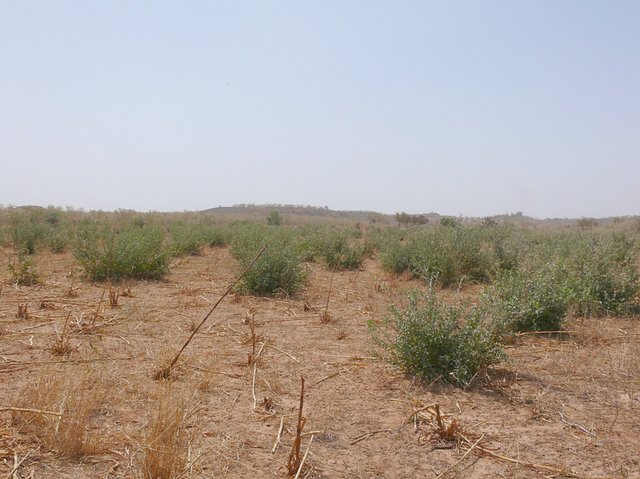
{"type": "Point", "coordinates": [275, 446]}
{"type": "Point", "coordinates": [369, 434]}
{"type": "Point", "coordinates": [531, 465]}
{"type": "Point", "coordinates": [576, 425]}
{"type": "Point", "coordinates": [284, 352]}
{"type": "Point", "coordinates": [18, 464]}
{"type": "Point", "coordinates": [166, 372]}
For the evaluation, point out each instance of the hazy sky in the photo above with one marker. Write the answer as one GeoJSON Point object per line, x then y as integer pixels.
{"type": "Point", "coordinates": [458, 107]}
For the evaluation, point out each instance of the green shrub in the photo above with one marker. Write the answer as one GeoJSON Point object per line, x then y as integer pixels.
{"type": "Point", "coordinates": [604, 275]}
{"type": "Point", "coordinates": [216, 235]}
{"type": "Point", "coordinates": [309, 242]}
{"type": "Point", "coordinates": [187, 239]}
{"type": "Point", "coordinates": [28, 235]}
{"type": "Point", "coordinates": [449, 222]}
{"type": "Point", "coordinates": [437, 341]}
{"type": "Point", "coordinates": [24, 271]}
{"type": "Point", "coordinates": [451, 255]}
{"type": "Point", "coordinates": [275, 218]}
{"type": "Point", "coordinates": [279, 269]}
{"type": "Point", "coordinates": [339, 252]}
{"type": "Point", "coordinates": [531, 299]}
{"type": "Point", "coordinates": [395, 257]}
{"type": "Point", "coordinates": [134, 252]}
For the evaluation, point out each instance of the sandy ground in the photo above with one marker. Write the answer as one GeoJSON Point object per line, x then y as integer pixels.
{"type": "Point", "coordinates": [559, 406]}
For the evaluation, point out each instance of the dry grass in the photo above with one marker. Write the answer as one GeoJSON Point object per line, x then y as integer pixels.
{"type": "Point", "coordinates": [166, 443]}
{"type": "Point", "coordinates": [76, 398]}
{"type": "Point", "coordinates": [23, 311]}
{"type": "Point", "coordinates": [114, 294]}
{"type": "Point", "coordinates": [61, 345]}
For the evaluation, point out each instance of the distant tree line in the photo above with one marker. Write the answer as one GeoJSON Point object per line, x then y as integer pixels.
{"type": "Point", "coordinates": [405, 219]}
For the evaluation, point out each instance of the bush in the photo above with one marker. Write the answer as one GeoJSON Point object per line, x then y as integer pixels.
{"type": "Point", "coordinates": [437, 341]}
{"type": "Point", "coordinates": [28, 236]}
{"type": "Point", "coordinates": [24, 271]}
{"type": "Point", "coordinates": [34, 229]}
{"type": "Point", "coordinates": [58, 241]}
{"type": "Point", "coordinates": [340, 253]}
{"type": "Point", "coordinates": [132, 253]}
{"type": "Point", "coordinates": [187, 239]}
{"type": "Point", "coordinates": [451, 255]}
{"type": "Point", "coordinates": [216, 236]}
{"type": "Point", "coordinates": [532, 299]}
{"type": "Point", "coordinates": [604, 275]}
{"type": "Point", "coordinates": [275, 218]}
{"type": "Point", "coordinates": [279, 269]}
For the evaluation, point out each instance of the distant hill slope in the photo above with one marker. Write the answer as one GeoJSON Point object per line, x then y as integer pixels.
{"type": "Point", "coordinates": [300, 213]}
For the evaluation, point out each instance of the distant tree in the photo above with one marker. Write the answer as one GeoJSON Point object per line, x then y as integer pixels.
{"type": "Point", "coordinates": [488, 221]}
{"type": "Point", "coordinates": [448, 221]}
{"type": "Point", "coordinates": [404, 219]}
{"type": "Point", "coordinates": [275, 218]}
{"type": "Point", "coordinates": [587, 223]}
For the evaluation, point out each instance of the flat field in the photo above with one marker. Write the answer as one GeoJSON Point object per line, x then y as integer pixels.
{"type": "Point", "coordinates": [563, 405]}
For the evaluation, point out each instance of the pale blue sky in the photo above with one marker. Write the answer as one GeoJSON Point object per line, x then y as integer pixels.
{"type": "Point", "coordinates": [458, 107]}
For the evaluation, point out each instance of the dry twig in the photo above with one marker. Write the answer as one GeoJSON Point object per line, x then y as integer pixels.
{"type": "Point", "coordinates": [166, 372]}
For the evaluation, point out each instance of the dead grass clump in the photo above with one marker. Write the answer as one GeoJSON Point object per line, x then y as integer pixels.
{"type": "Point", "coordinates": [166, 443]}
{"type": "Point", "coordinates": [114, 294]}
{"type": "Point", "coordinates": [68, 405]}
{"type": "Point", "coordinates": [23, 311]}
{"type": "Point", "coordinates": [125, 291]}
{"type": "Point", "coordinates": [61, 345]}
{"type": "Point", "coordinates": [72, 292]}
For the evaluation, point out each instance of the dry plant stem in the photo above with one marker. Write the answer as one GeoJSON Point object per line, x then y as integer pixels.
{"type": "Point", "coordinates": [36, 411]}
{"type": "Point", "coordinates": [531, 465]}
{"type": "Point", "coordinates": [439, 418]}
{"type": "Point", "coordinates": [166, 371]}
{"type": "Point", "coordinates": [255, 373]}
{"type": "Point", "coordinates": [294, 456]}
{"type": "Point", "coordinates": [369, 434]}
{"type": "Point", "coordinates": [576, 425]}
{"type": "Point", "coordinates": [253, 386]}
{"type": "Point", "coordinates": [18, 464]}
{"type": "Point", "coordinates": [284, 352]}
{"type": "Point", "coordinates": [461, 459]}
{"type": "Point", "coordinates": [280, 429]}
{"type": "Point", "coordinates": [304, 458]}
{"type": "Point", "coordinates": [326, 307]}
{"type": "Point", "coordinates": [95, 316]}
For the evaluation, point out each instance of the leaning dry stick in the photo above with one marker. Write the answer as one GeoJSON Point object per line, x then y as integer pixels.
{"type": "Point", "coordinates": [95, 316]}
{"type": "Point", "coordinates": [164, 373]}
{"type": "Point", "coordinates": [275, 445]}
{"type": "Point", "coordinates": [294, 457]}
{"type": "Point", "coordinates": [17, 464]}
{"type": "Point", "coordinates": [325, 315]}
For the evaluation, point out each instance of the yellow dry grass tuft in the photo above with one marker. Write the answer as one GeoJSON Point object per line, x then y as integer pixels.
{"type": "Point", "coordinates": [166, 443]}
{"type": "Point", "coordinates": [69, 403]}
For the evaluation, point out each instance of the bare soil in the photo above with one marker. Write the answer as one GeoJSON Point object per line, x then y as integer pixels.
{"type": "Point", "coordinates": [561, 406]}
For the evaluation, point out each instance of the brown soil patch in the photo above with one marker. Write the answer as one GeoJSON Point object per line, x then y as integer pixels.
{"type": "Point", "coordinates": [568, 402]}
